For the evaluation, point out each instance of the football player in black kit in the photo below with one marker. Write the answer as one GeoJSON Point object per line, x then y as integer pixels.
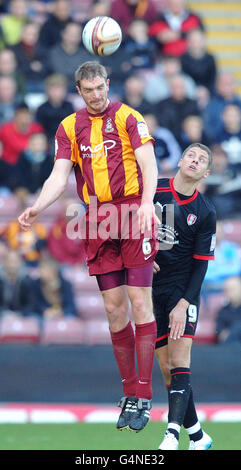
{"type": "Point", "coordinates": [186, 244]}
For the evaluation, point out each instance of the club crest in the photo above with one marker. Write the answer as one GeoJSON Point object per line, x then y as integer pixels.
{"type": "Point", "coordinates": [109, 126]}
{"type": "Point", "coordinates": [191, 219]}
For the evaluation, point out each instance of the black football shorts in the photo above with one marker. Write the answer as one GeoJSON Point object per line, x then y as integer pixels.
{"type": "Point", "coordinates": [165, 298]}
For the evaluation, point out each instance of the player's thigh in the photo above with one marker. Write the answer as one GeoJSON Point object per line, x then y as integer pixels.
{"type": "Point", "coordinates": [179, 352]}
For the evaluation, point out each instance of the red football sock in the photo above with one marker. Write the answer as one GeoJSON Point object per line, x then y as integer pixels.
{"type": "Point", "coordinates": [124, 350]}
{"type": "Point", "coordinates": [145, 349]}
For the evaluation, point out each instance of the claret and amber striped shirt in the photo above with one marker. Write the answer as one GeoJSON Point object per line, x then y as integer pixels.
{"type": "Point", "coordinates": [101, 147]}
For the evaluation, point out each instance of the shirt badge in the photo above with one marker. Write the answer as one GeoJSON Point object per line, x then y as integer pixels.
{"type": "Point", "coordinates": [191, 219]}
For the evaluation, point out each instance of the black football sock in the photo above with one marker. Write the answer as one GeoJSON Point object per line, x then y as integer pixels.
{"type": "Point", "coordinates": [178, 398]}
{"type": "Point", "coordinates": [190, 422]}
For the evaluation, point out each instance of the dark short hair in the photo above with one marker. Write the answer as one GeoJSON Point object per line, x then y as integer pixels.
{"type": "Point", "coordinates": [203, 147]}
{"type": "Point", "coordinates": [90, 70]}
{"type": "Point", "coordinates": [21, 106]}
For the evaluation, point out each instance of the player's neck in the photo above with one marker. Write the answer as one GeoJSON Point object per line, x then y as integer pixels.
{"type": "Point", "coordinates": [184, 185]}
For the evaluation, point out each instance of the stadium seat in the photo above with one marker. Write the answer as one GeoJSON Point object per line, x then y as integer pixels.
{"type": "Point", "coordinates": [96, 332]}
{"type": "Point", "coordinates": [82, 281]}
{"type": "Point", "coordinates": [205, 332]}
{"type": "Point", "coordinates": [62, 331]}
{"type": "Point", "coordinates": [232, 230]}
{"type": "Point", "coordinates": [16, 329]}
{"type": "Point", "coordinates": [90, 305]}
{"type": "Point", "coordinates": [9, 208]}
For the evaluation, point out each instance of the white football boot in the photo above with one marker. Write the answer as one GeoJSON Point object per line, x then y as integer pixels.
{"type": "Point", "coordinates": [203, 444]}
{"type": "Point", "coordinates": [169, 442]}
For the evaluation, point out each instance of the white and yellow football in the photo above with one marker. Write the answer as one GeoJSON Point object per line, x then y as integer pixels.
{"type": "Point", "coordinates": [102, 36]}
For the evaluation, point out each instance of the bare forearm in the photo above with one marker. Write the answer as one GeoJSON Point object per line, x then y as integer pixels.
{"type": "Point", "coordinates": [149, 175]}
{"type": "Point", "coordinates": [51, 191]}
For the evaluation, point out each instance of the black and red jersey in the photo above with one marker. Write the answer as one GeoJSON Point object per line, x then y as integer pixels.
{"type": "Point", "coordinates": [187, 231]}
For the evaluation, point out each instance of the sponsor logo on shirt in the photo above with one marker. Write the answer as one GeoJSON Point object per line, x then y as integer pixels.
{"type": "Point", "coordinates": [98, 151]}
{"type": "Point", "coordinates": [142, 129]}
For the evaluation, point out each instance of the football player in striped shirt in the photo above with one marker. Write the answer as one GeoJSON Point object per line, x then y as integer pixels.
{"type": "Point", "coordinates": [111, 150]}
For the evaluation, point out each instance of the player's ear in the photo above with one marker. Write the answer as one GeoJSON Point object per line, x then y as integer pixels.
{"type": "Point", "coordinates": [108, 84]}
{"type": "Point", "coordinates": [206, 174]}
{"type": "Point", "coordinates": [179, 163]}
{"type": "Point", "coordinates": [78, 90]}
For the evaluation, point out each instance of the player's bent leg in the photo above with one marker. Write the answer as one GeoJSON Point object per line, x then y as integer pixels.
{"type": "Point", "coordinates": [179, 391]}
{"type": "Point", "coordinates": [123, 341]}
{"type": "Point", "coordinates": [163, 361]}
{"type": "Point", "coordinates": [141, 302]}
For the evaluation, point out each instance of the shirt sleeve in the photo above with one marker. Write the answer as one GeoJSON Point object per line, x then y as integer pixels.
{"type": "Point", "coordinates": [64, 140]}
{"type": "Point", "coordinates": [137, 130]}
{"type": "Point", "coordinates": [205, 240]}
{"type": "Point", "coordinates": [196, 279]}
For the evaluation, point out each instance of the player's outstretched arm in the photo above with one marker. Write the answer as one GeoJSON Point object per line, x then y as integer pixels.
{"type": "Point", "coordinates": [52, 189]}
{"type": "Point", "coordinates": [146, 159]}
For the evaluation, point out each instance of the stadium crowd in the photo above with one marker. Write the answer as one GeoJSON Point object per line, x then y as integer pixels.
{"type": "Point", "coordinates": [164, 70]}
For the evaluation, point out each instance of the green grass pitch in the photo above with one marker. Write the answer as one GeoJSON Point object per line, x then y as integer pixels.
{"type": "Point", "coordinates": [99, 436]}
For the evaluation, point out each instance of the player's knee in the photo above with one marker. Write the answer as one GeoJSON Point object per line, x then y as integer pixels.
{"type": "Point", "coordinates": [117, 314]}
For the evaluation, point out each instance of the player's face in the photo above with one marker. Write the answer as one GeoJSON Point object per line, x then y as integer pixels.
{"type": "Point", "coordinates": [95, 94]}
{"type": "Point", "coordinates": [195, 164]}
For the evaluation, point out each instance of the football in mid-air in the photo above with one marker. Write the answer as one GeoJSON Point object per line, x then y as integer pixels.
{"type": "Point", "coordinates": [102, 36]}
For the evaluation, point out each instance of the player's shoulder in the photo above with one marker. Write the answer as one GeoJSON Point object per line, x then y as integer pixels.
{"type": "Point", "coordinates": [207, 206]}
{"type": "Point", "coordinates": [128, 110]}
{"type": "Point", "coordinates": [69, 120]}
{"type": "Point", "coordinates": [162, 183]}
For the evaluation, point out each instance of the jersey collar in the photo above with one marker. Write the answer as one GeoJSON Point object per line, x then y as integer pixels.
{"type": "Point", "coordinates": [179, 201]}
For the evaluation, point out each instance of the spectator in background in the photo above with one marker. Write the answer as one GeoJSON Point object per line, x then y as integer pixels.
{"type": "Point", "coordinates": [84, 10]}
{"type": "Point", "coordinates": [197, 62]}
{"type": "Point", "coordinates": [14, 138]}
{"type": "Point", "coordinates": [8, 99]}
{"type": "Point", "coordinates": [223, 185]}
{"type": "Point", "coordinates": [125, 11]}
{"type": "Point", "coordinates": [134, 94]}
{"type": "Point", "coordinates": [53, 294]}
{"type": "Point", "coordinates": [34, 166]}
{"type": "Point", "coordinates": [16, 287]}
{"type": "Point", "coordinates": [56, 108]}
{"type": "Point", "coordinates": [227, 262]}
{"type": "Point", "coordinates": [167, 149]}
{"type": "Point", "coordinates": [224, 94]}
{"type": "Point", "coordinates": [32, 58]}
{"type": "Point", "coordinates": [171, 27]}
{"type": "Point", "coordinates": [158, 83]}
{"type": "Point", "coordinates": [173, 110]}
{"type": "Point", "coordinates": [8, 68]}
{"type": "Point", "coordinates": [50, 32]}
{"type": "Point", "coordinates": [29, 245]}
{"type": "Point", "coordinates": [228, 323]}
{"type": "Point", "coordinates": [140, 49]}
{"type": "Point", "coordinates": [193, 131]}
{"type": "Point", "coordinates": [64, 57]}
{"type": "Point", "coordinates": [229, 135]}
{"type": "Point", "coordinates": [12, 23]}
{"type": "Point", "coordinates": [64, 249]}
{"type": "Point", "coordinates": [119, 69]}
